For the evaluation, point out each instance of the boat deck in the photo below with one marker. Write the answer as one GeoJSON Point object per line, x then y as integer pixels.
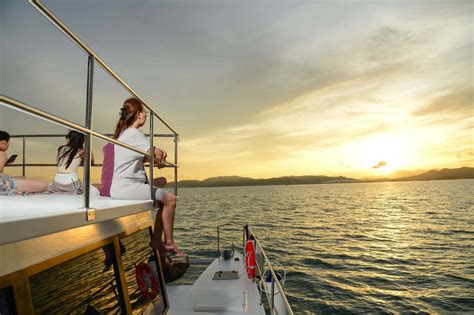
{"type": "Point", "coordinates": [25, 217]}
{"type": "Point", "coordinates": [208, 296]}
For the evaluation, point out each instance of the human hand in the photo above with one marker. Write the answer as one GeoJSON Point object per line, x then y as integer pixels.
{"type": "Point", "coordinates": [160, 156]}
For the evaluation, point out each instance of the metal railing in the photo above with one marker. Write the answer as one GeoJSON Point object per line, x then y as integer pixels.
{"type": "Point", "coordinates": [23, 164]}
{"type": "Point", "coordinates": [9, 102]}
{"type": "Point", "coordinates": [87, 130]}
{"type": "Point", "coordinates": [274, 278]}
{"type": "Point", "coordinates": [247, 234]}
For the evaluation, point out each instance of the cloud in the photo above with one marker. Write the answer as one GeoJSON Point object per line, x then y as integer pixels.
{"type": "Point", "coordinates": [459, 101]}
{"type": "Point", "coordinates": [466, 157]}
{"type": "Point", "coordinates": [256, 83]}
{"type": "Point", "coordinates": [337, 96]}
{"type": "Point", "coordinates": [380, 164]}
{"type": "Point", "coordinates": [389, 44]}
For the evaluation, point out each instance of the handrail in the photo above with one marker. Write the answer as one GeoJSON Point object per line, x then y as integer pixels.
{"type": "Point", "coordinates": [274, 276]}
{"type": "Point", "coordinates": [62, 27]}
{"type": "Point", "coordinates": [166, 164]}
{"type": "Point", "coordinates": [247, 233]}
{"type": "Point", "coordinates": [10, 102]}
{"type": "Point", "coordinates": [65, 123]}
{"type": "Point", "coordinates": [25, 136]}
{"type": "Point", "coordinates": [219, 235]}
{"type": "Point", "coordinates": [162, 135]}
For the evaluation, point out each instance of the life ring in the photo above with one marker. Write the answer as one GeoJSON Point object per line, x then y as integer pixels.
{"type": "Point", "coordinates": [250, 259]}
{"type": "Point", "coordinates": [146, 281]}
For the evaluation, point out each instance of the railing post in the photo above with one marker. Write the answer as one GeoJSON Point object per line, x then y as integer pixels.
{"type": "Point", "coordinates": [273, 296]}
{"type": "Point", "coordinates": [273, 277]}
{"type": "Point", "coordinates": [152, 159]}
{"type": "Point", "coordinates": [243, 238]}
{"type": "Point", "coordinates": [176, 139]}
{"type": "Point", "coordinates": [24, 157]}
{"type": "Point", "coordinates": [218, 242]}
{"type": "Point", "coordinates": [88, 136]}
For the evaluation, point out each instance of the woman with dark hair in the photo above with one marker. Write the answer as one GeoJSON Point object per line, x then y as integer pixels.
{"type": "Point", "coordinates": [18, 184]}
{"type": "Point", "coordinates": [129, 179]}
{"type": "Point", "coordinates": [70, 157]}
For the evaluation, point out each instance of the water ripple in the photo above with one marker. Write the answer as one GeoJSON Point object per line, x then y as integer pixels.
{"type": "Point", "coordinates": [367, 248]}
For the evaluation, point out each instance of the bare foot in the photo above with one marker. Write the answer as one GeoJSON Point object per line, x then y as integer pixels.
{"type": "Point", "coordinates": [173, 249]}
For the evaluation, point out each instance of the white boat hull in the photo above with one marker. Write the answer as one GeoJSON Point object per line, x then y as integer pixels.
{"type": "Point", "coordinates": [208, 296]}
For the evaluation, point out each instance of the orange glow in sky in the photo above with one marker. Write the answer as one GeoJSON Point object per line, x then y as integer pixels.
{"type": "Point", "coordinates": [258, 89]}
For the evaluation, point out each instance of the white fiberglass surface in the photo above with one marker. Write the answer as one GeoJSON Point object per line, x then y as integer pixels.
{"type": "Point", "coordinates": [232, 297]}
{"type": "Point", "coordinates": [18, 208]}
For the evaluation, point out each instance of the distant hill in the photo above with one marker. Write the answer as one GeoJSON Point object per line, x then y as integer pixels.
{"type": "Point", "coordinates": [227, 181]}
{"type": "Point", "coordinates": [445, 173]}
{"type": "Point", "coordinates": [406, 173]}
{"type": "Point", "coordinates": [215, 181]}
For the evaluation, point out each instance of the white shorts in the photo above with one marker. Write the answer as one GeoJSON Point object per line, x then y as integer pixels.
{"type": "Point", "coordinates": [67, 178]}
{"type": "Point", "coordinates": [134, 191]}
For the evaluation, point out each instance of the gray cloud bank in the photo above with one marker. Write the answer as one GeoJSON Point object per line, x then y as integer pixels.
{"type": "Point", "coordinates": [210, 66]}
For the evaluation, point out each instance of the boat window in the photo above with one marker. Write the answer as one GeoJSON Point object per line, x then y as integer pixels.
{"type": "Point", "coordinates": [136, 252]}
{"type": "Point", "coordinates": [76, 286]}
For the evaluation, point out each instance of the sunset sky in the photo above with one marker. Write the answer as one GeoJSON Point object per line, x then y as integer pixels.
{"type": "Point", "coordinates": [259, 88]}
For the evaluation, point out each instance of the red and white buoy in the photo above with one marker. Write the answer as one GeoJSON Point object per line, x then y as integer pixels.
{"type": "Point", "coordinates": [250, 259]}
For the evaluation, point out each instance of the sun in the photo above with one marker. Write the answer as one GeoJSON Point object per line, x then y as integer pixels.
{"type": "Point", "coordinates": [383, 154]}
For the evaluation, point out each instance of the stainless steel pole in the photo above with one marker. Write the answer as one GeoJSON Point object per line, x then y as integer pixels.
{"type": "Point", "coordinates": [176, 139]}
{"type": "Point", "coordinates": [49, 117]}
{"type": "Point", "coordinates": [88, 136]}
{"type": "Point", "coordinates": [24, 158]}
{"type": "Point", "coordinates": [218, 242]}
{"type": "Point", "coordinates": [152, 157]}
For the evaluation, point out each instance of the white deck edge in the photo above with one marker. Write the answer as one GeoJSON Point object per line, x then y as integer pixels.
{"type": "Point", "coordinates": [35, 227]}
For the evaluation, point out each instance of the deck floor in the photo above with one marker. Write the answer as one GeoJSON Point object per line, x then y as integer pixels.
{"type": "Point", "coordinates": [208, 296]}
{"type": "Point", "coordinates": [23, 217]}
{"type": "Point", "coordinates": [19, 208]}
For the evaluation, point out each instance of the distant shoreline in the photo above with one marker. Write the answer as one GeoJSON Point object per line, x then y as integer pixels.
{"type": "Point", "coordinates": [170, 185]}
{"type": "Point", "coordinates": [236, 181]}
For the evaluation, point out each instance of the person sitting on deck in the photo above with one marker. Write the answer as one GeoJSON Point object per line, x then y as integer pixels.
{"type": "Point", "coordinates": [18, 184]}
{"type": "Point", "coordinates": [105, 183]}
{"type": "Point", "coordinates": [70, 157]}
{"type": "Point", "coordinates": [108, 172]}
{"type": "Point", "coordinates": [129, 179]}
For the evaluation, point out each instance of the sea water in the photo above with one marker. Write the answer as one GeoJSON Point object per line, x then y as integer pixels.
{"type": "Point", "coordinates": [350, 248]}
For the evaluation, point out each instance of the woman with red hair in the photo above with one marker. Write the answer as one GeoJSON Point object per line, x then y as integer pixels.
{"type": "Point", "coordinates": [129, 178]}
